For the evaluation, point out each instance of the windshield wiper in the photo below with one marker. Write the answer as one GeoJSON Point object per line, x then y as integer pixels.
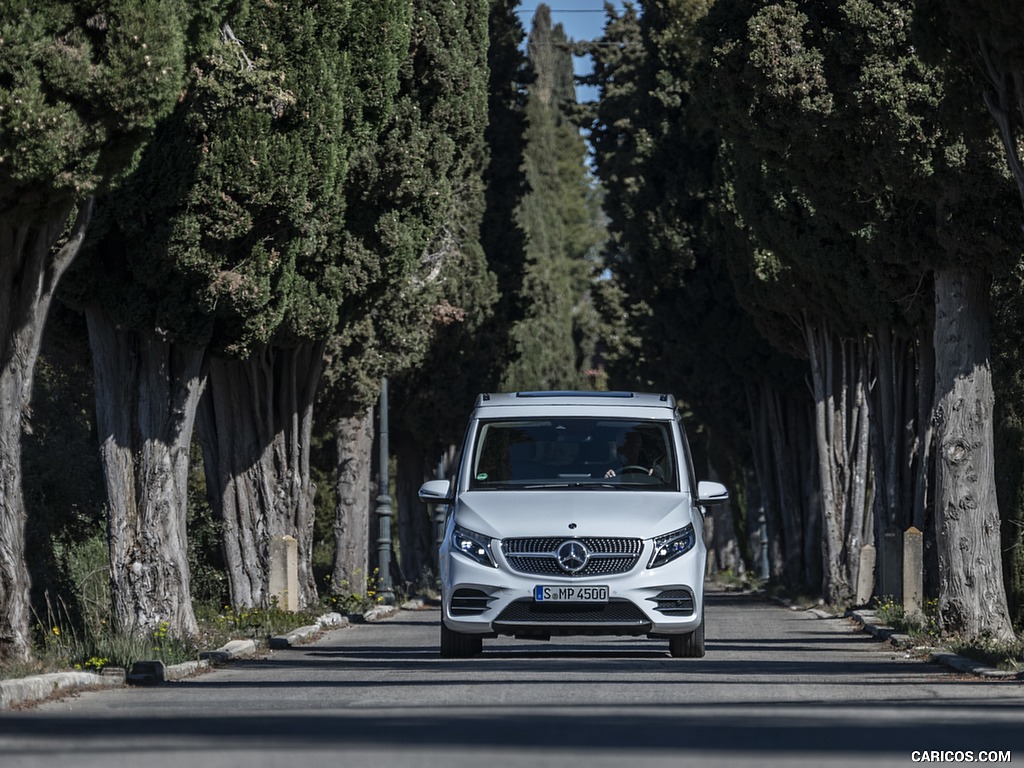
{"type": "Point", "coordinates": [577, 484]}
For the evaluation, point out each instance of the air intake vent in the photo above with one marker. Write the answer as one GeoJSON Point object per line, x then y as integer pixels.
{"type": "Point", "coordinates": [674, 602]}
{"type": "Point", "coordinates": [469, 602]}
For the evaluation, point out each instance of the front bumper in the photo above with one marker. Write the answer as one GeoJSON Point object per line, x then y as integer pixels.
{"type": "Point", "coordinates": [668, 600]}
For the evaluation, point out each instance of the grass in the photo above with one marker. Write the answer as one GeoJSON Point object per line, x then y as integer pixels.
{"type": "Point", "coordinates": [91, 643]}
{"type": "Point", "coordinates": [76, 631]}
{"type": "Point", "coordinates": [923, 629]}
{"type": "Point", "coordinates": [926, 629]}
{"type": "Point", "coordinates": [61, 646]}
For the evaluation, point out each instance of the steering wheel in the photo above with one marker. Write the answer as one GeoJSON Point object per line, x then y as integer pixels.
{"type": "Point", "coordinates": [635, 468]}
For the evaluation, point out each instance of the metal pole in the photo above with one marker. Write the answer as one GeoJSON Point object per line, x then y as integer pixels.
{"type": "Point", "coordinates": [385, 589]}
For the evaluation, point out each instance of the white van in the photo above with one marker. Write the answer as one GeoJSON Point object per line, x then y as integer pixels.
{"type": "Point", "coordinates": [573, 513]}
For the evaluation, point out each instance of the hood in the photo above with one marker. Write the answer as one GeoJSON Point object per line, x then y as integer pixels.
{"type": "Point", "coordinates": [509, 514]}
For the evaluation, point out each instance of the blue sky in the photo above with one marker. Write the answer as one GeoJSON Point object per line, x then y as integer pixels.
{"type": "Point", "coordinates": [582, 20]}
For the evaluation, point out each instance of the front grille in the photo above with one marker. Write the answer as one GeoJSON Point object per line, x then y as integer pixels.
{"type": "Point", "coordinates": [674, 602]}
{"type": "Point", "coordinates": [469, 602]}
{"type": "Point", "coordinates": [527, 612]}
{"type": "Point", "coordinates": [537, 555]}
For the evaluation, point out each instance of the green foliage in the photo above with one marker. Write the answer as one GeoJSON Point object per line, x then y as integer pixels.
{"type": "Point", "coordinates": [208, 583]}
{"type": "Point", "coordinates": [501, 234]}
{"type": "Point", "coordinates": [1005, 656]}
{"type": "Point", "coordinates": [84, 84]}
{"type": "Point", "coordinates": [559, 214]}
{"type": "Point", "coordinates": [224, 624]}
{"type": "Point", "coordinates": [446, 80]}
{"type": "Point", "coordinates": [63, 646]}
{"type": "Point", "coordinates": [75, 631]}
{"type": "Point", "coordinates": [926, 626]}
{"type": "Point", "coordinates": [844, 85]}
{"type": "Point", "coordinates": [342, 598]}
{"type": "Point", "coordinates": [671, 320]}
{"type": "Point", "coordinates": [62, 476]}
{"type": "Point", "coordinates": [230, 231]}
{"type": "Point", "coordinates": [414, 203]}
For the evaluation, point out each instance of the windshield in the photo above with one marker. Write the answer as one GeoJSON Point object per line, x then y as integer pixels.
{"type": "Point", "coordinates": [577, 452]}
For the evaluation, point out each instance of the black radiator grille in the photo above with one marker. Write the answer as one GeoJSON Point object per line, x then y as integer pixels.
{"type": "Point", "coordinates": [621, 612]}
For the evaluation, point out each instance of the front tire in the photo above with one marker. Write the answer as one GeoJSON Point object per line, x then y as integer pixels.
{"type": "Point", "coordinates": [688, 646]}
{"type": "Point", "coordinates": [456, 645]}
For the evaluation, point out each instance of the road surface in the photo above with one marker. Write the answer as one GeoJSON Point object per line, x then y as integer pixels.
{"type": "Point", "coordinates": [777, 688]}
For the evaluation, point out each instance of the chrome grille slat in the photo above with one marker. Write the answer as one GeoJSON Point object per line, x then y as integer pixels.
{"type": "Point", "coordinates": [608, 555]}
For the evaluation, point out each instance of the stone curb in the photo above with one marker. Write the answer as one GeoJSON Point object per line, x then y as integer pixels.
{"type": "Point", "coordinates": [26, 690]}
{"type": "Point", "coordinates": [156, 672]}
{"type": "Point", "coordinates": [380, 613]}
{"type": "Point", "coordinates": [303, 634]}
{"type": "Point", "coordinates": [36, 688]}
{"type": "Point", "coordinates": [869, 623]}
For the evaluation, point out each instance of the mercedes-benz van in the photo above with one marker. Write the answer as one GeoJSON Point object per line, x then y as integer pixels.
{"type": "Point", "coordinates": [573, 513]}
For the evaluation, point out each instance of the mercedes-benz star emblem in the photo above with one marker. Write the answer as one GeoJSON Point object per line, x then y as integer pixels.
{"type": "Point", "coordinates": [572, 556]}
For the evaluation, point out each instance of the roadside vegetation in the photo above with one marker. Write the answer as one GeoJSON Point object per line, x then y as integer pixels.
{"type": "Point", "coordinates": [924, 631]}
{"type": "Point", "coordinates": [76, 631]}
{"type": "Point", "coordinates": [225, 223]}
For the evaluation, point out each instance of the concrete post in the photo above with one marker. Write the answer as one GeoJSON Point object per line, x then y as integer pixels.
{"type": "Point", "coordinates": [913, 573]}
{"type": "Point", "coordinates": [866, 574]}
{"type": "Point", "coordinates": [284, 572]}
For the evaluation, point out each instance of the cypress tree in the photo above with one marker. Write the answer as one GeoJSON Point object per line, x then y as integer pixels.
{"type": "Point", "coordinates": [843, 85]}
{"type": "Point", "coordinates": [559, 217]}
{"type": "Point", "coordinates": [419, 200]}
{"type": "Point", "coordinates": [988, 35]}
{"type": "Point", "coordinates": [84, 84]}
{"type": "Point", "coordinates": [244, 268]}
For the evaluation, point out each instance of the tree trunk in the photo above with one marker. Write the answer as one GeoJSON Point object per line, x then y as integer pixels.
{"type": "Point", "coordinates": [255, 425]}
{"type": "Point", "coordinates": [724, 550]}
{"type": "Point", "coordinates": [926, 445]}
{"type": "Point", "coordinates": [415, 523]}
{"type": "Point", "coordinates": [841, 424]}
{"type": "Point", "coordinates": [972, 599]}
{"type": "Point", "coordinates": [353, 438]}
{"type": "Point", "coordinates": [780, 428]}
{"type": "Point", "coordinates": [772, 564]}
{"type": "Point", "coordinates": [147, 393]}
{"type": "Point", "coordinates": [901, 403]}
{"type": "Point", "coordinates": [783, 442]}
{"type": "Point", "coordinates": [29, 274]}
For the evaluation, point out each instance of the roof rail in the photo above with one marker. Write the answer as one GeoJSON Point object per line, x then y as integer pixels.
{"type": "Point", "coordinates": [573, 393]}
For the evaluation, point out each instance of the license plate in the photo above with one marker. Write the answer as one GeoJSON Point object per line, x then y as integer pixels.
{"type": "Point", "coordinates": [570, 594]}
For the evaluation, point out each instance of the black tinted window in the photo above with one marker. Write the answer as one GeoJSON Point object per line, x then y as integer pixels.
{"type": "Point", "coordinates": [574, 452]}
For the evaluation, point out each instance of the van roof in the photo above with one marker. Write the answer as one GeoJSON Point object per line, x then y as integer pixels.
{"type": "Point", "coordinates": [569, 397]}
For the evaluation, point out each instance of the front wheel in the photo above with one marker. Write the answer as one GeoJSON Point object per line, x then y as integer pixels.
{"type": "Point", "coordinates": [456, 645]}
{"type": "Point", "coordinates": [688, 646]}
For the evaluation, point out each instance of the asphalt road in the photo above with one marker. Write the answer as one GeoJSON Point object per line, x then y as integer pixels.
{"type": "Point", "coordinates": [777, 688]}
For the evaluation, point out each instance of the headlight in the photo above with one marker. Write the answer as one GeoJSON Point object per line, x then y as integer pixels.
{"type": "Point", "coordinates": [475, 546]}
{"type": "Point", "coordinates": [670, 546]}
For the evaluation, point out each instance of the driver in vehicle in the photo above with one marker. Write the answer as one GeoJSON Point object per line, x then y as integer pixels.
{"type": "Point", "coordinates": [629, 455]}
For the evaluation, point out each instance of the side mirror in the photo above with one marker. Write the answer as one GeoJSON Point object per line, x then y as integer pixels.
{"type": "Point", "coordinates": [710, 493]}
{"type": "Point", "coordinates": [436, 492]}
